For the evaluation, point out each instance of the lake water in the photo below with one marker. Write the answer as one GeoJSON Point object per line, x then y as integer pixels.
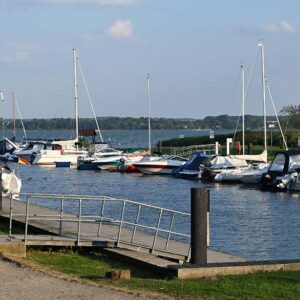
{"type": "Point", "coordinates": [244, 220]}
{"type": "Point", "coordinates": [119, 138]}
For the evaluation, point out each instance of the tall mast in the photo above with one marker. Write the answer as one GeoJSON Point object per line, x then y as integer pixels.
{"type": "Point", "coordinates": [264, 92]}
{"type": "Point", "coordinates": [14, 112]}
{"type": "Point", "coordinates": [149, 113]}
{"type": "Point", "coordinates": [243, 106]}
{"type": "Point", "coordinates": [75, 93]}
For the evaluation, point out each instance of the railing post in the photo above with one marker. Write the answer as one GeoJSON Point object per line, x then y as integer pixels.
{"type": "Point", "coordinates": [136, 222]}
{"type": "Point", "coordinates": [170, 229]}
{"type": "Point", "coordinates": [101, 216]}
{"type": "Point", "coordinates": [10, 214]}
{"type": "Point", "coordinates": [121, 223]}
{"type": "Point", "coordinates": [157, 229]}
{"type": "Point", "coordinates": [199, 214]}
{"type": "Point", "coordinates": [26, 219]}
{"type": "Point", "coordinates": [79, 220]}
{"type": "Point", "coordinates": [61, 214]}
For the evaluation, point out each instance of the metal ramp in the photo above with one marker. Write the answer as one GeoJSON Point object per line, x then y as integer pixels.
{"type": "Point", "coordinates": [99, 221]}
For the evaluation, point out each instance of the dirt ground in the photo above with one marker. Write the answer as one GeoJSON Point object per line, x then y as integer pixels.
{"type": "Point", "coordinates": [22, 283]}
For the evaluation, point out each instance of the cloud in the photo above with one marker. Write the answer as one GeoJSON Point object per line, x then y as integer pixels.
{"type": "Point", "coordinates": [14, 53]}
{"type": "Point", "coordinates": [121, 29]}
{"type": "Point", "coordinates": [14, 57]}
{"type": "Point", "coordinates": [281, 26]}
{"type": "Point", "coordinates": [71, 2]}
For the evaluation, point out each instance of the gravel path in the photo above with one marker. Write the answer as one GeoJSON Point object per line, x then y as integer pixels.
{"type": "Point", "coordinates": [21, 283]}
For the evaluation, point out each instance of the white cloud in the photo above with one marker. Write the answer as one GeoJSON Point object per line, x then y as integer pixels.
{"type": "Point", "coordinates": [281, 26]}
{"type": "Point", "coordinates": [121, 29]}
{"type": "Point", "coordinates": [71, 2]}
{"type": "Point", "coordinates": [14, 57]}
{"type": "Point", "coordinates": [13, 52]}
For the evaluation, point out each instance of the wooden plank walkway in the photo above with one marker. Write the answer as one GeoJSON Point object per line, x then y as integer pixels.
{"type": "Point", "coordinates": [65, 234]}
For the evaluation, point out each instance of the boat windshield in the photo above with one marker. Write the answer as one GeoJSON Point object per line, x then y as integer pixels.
{"type": "Point", "coordinates": [294, 163]}
{"type": "Point", "coordinates": [278, 163]}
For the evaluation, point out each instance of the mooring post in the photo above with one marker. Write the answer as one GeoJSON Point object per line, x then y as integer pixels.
{"type": "Point", "coordinates": [199, 225]}
{"type": "Point", "coordinates": [250, 148]}
{"type": "Point", "coordinates": [160, 146]}
{"type": "Point", "coordinates": [1, 204]}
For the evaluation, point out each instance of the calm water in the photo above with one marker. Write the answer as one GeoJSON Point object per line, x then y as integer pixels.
{"type": "Point", "coordinates": [244, 220]}
{"type": "Point", "coordinates": [118, 138]}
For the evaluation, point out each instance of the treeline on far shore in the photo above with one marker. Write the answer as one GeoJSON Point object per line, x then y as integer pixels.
{"type": "Point", "coordinates": [252, 122]}
{"type": "Point", "coordinates": [274, 138]}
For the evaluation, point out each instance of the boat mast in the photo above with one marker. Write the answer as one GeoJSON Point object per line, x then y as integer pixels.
{"type": "Point", "coordinates": [14, 112]}
{"type": "Point", "coordinates": [264, 92]}
{"type": "Point", "coordinates": [75, 93]}
{"type": "Point", "coordinates": [243, 106]}
{"type": "Point", "coordinates": [149, 113]}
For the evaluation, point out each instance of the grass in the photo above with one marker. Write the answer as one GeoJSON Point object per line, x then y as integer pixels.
{"type": "Point", "coordinates": [91, 266]}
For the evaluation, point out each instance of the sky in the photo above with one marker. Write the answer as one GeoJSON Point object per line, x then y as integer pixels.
{"type": "Point", "coordinates": [192, 50]}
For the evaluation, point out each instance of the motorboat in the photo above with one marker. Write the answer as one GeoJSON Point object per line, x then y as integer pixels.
{"type": "Point", "coordinates": [250, 175]}
{"type": "Point", "coordinates": [284, 172]}
{"type": "Point", "coordinates": [62, 151]}
{"type": "Point", "coordinates": [128, 161]}
{"type": "Point", "coordinates": [161, 165]}
{"type": "Point", "coordinates": [101, 156]}
{"type": "Point", "coordinates": [30, 150]}
{"type": "Point", "coordinates": [220, 164]}
{"type": "Point", "coordinates": [191, 168]}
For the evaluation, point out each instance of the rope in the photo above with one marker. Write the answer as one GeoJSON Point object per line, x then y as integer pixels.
{"type": "Point", "coordinates": [91, 103]}
{"type": "Point", "coordinates": [271, 98]}
{"type": "Point", "coordinates": [21, 119]}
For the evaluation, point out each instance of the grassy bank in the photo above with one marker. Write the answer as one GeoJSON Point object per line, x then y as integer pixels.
{"type": "Point", "coordinates": [89, 266]}
{"type": "Point", "coordinates": [92, 266]}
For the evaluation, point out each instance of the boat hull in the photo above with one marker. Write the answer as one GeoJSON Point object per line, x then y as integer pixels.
{"type": "Point", "coordinates": [156, 169]}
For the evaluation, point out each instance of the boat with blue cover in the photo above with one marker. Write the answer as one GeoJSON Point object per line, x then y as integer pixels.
{"type": "Point", "coordinates": [191, 168]}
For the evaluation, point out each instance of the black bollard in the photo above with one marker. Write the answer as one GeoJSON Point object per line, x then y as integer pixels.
{"type": "Point", "coordinates": [199, 228]}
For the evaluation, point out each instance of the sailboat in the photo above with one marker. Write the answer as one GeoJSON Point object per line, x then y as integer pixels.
{"type": "Point", "coordinates": [253, 172]}
{"type": "Point", "coordinates": [157, 164]}
{"type": "Point", "coordinates": [66, 150]}
{"type": "Point", "coordinates": [231, 168]}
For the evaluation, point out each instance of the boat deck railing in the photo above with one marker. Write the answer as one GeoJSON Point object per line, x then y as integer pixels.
{"type": "Point", "coordinates": [85, 217]}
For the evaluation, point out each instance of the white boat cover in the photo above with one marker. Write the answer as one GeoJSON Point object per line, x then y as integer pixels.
{"type": "Point", "coordinates": [223, 162]}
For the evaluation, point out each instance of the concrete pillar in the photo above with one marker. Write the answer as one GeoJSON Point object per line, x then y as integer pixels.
{"type": "Point", "coordinates": [199, 228]}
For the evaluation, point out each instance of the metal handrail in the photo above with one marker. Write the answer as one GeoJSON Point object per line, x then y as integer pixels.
{"type": "Point", "coordinates": [80, 218]}
{"type": "Point", "coordinates": [207, 148]}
